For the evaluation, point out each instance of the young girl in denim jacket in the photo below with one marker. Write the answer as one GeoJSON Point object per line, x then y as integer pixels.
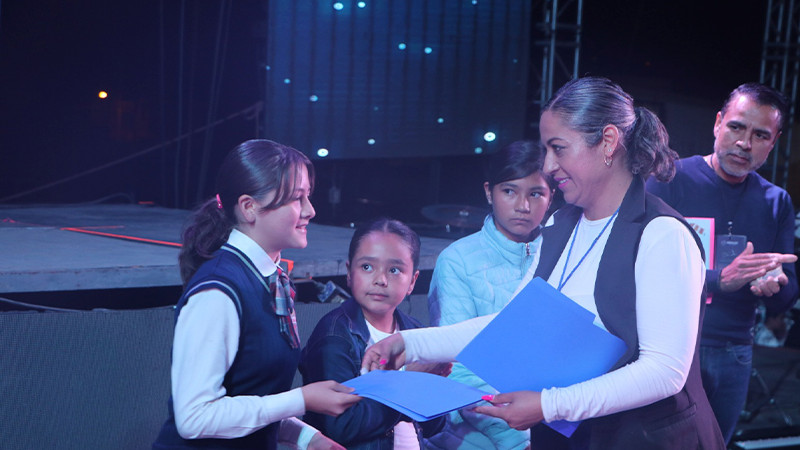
{"type": "Point", "coordinates": [381, 272]}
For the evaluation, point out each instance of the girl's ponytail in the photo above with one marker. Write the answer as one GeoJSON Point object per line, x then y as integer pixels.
{"type": "Point", "coordinates": [259, 168]}
{"type": "Point", "coordinates": [208, 228]}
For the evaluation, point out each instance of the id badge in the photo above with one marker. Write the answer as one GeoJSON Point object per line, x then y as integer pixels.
{"type": "Point", "coordinates": [727, 248]}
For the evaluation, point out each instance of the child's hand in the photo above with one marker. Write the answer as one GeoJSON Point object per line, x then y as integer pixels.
{"type": "Point", "coordinates": [328, 397]}
{"type": "Point", "coordinates": [321, 442]}
{"type": "Point", "coordinates": [438, 368]}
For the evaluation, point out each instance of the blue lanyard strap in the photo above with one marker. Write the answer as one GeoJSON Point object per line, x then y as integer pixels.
{"type": "Point", "coordinates": [562, 281]}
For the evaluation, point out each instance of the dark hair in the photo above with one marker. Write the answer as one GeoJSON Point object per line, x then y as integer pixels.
{"type": "Point", "coordinates": [386, 225]}
{"type": "Point", "coordinates": [256, 167]}
{"type": "Point", "coordinates": [514, 161]}
{"type": "Point", "coordinates": [764, 96]}
{"type": "Point", "coordinates": [588, 104]}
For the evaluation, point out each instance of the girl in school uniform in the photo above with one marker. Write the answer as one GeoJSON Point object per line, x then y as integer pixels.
{"type": "Point", "coordinates": [236, 345]}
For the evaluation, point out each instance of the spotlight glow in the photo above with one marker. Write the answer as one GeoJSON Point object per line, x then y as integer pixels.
{"type": "Point", "coordinates": [286, 81]}
{"type": "Point", "coordinates": [362, 4]}
{"type": "Point", "coordinates": [478, 150]}
{"type": "Point", "coordinates": [428, 50]}
{"type": "Point", "coordinates": [323, 152]}
{"type": "Point", "coordinates": [313, 98]}
{"type": "Point", "coordinates": [371, 141]}
{"type": "Point", "coordinates": [402, 46]}
{"type": "Point", "coordinates": [489, 136]}
{"type": "Point", "coordinates": [440, 120]}
{"type": "Point", "coordinates": [338, 6]}
{"type": "Point", "coordinates": [102, 94]}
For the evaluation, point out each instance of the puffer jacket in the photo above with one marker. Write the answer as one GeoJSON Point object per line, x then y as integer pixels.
{"type": "Point", "coordinates": [476, 276]}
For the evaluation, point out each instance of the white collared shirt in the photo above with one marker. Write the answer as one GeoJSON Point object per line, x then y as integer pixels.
{"type": "Point", "coordinates": [204, 347]}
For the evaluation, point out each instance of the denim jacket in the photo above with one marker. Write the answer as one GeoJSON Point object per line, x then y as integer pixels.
{"type": "Point", "coordinates": [334, 352]}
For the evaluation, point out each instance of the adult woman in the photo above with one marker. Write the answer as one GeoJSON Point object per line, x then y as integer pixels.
{"type": "Point", "coordinates": [623, 255]}
{"type": "Point", "coordinates": [236, 344]}
{"type": "Point", "coordinates": [477, 275]}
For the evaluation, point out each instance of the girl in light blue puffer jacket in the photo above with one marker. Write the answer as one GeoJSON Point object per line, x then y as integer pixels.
{"type": "Point", "coordinates": [477, 275]}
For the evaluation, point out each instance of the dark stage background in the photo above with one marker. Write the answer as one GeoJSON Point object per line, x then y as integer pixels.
{"type": "Point", "coordinates": [412, 78]}
{"type": "Point", "coordinates": [400, 94]}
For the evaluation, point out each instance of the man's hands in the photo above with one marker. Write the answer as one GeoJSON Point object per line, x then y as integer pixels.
{"type": "Point", "coordinates": [753, 268]}
{"type": "Point", "coordinates": [770, 283]}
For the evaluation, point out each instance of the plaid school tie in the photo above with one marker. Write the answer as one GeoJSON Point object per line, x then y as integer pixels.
{"type": "Point", "coordinates": [284, 292]}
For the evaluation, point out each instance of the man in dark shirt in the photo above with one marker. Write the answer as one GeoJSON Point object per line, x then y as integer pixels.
{"type": "Point", "coordinates": [754, 229]}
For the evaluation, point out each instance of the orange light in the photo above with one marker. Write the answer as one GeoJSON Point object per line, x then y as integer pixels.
{"type": "Point", "coordinates": [102, 94]}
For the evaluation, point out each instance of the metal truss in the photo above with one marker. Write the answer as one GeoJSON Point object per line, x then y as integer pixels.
{"type": "Point", "coordinates": [780, 68]}
{"type": "Point", "coordinates": [555, 51]}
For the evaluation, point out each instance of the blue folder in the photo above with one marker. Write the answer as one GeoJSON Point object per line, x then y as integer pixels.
{"type": "Point", "coordinates": [419, 395]}
{"type": "Point", "coordinates": [541, 339]}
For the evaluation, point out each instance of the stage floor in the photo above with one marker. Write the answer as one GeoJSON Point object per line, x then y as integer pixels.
{"type": "Point", "coordinates": [46, 248]}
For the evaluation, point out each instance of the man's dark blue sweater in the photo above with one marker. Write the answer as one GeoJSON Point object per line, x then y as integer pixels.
{"type": "Point", "coordinates": [757, 209]}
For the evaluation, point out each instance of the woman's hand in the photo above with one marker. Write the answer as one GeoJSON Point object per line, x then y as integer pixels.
{"type": "Point", "coordinates": [321, 442]}
{"type": "Point", "coordinates": [521, 409]}
{"type": "Point", "coordinates": [328, 397]}
{"type": "Point", "coordinates": [387, 354]}
{"type": "Point", "coordinates": [442, 368]}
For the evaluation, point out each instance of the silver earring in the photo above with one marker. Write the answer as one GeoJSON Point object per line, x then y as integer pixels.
{"type": "Point", "coordinates": [608, 160]}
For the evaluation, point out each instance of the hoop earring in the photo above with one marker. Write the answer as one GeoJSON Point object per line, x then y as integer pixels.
{"type": "Point", "coordinates": [608, 160]}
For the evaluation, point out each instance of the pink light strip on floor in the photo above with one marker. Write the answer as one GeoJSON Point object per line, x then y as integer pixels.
{"type": "Point", "coordinates": [122, 236]}
{"type": "Point", "coordinates": [289, 262]}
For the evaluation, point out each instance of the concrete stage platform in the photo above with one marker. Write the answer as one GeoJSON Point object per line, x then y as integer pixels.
{"type": "Point", "coordinates": [92, 368]}
{"type": "Point", "coordinates": [46, 248]}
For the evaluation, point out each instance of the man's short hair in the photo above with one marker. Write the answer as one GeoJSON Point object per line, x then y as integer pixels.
{"type": "Point", "coordinates": [763, 95]}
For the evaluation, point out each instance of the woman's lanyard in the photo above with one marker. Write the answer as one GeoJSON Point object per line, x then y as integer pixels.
{"type": "Point", "coordinates": [563, 281]}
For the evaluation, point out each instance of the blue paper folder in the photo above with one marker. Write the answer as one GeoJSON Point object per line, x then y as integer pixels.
{"type": "Point", "coordinates": [419, 395]}
{"type": "Point", "coordinates": [541, 339]}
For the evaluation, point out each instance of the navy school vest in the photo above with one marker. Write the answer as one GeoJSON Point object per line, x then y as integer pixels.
{"type": "Point", "coordinates": [265, 363]}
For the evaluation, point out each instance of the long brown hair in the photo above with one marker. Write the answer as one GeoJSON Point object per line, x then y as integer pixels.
{"type": "Point", "coordinates": [256, 168]}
